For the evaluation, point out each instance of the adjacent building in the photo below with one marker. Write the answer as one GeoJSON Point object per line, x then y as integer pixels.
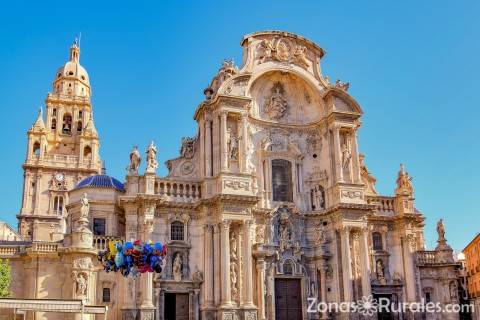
{"type": "Point", "coordinates": [270, 204]}
{"type": "Point", "coordinates": [472, 263]}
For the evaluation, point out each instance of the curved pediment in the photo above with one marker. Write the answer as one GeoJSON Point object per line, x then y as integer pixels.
{"type": "Point", "coordinates": [338, 100]}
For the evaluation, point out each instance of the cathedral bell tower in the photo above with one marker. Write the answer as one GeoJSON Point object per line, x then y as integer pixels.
{"type": "Point", "coordinates": [63, 148]}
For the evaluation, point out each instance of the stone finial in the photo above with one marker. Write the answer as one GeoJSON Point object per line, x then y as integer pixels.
{"type": "Point", "coordinates": [39, 124]}
{"type": "Point", "coordinates": [404, 183]}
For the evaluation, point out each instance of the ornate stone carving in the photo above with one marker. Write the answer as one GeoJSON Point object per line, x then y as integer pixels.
{"type": "Point", "coordinates": [83, 263]}
{"type": "Point", "coordinates": [233, 280]}
{"type": "Point", "coordinates": [236, 185]}
{"type": "Point", "coordinates": [226, 71]}
{"type": "Point", "coordinates": [233, 246]}
{"type": "Point", "coordinates": [152, 163]}
{"type": "Point", "coordinates": [367, 178]}
{"type": "Point", "coordinates": [282, 50]}
{"type": "Point", "coordinates": [314, 143]}
{"type": "Point", "coordinates": [404, 182]}
{"type": "Point", "coordinates": [284, 232]}
{"type": "Point", "coordinates": [187, 150]}
{"type": "Point", "coordinates": [197, 275]}
{"type": "Point", "coordinates": [351, 194]}
{"type": "Point", "coordinates": [276, 106]}
{"type": "Point", "coordinates": [135, 160]}
{"type": "Point", "coordinates": [441, 230]}
{"type": "Point", "coordinates": [177, 267]}
{"type": "Point", "coordinates": [346, 155]}
{"type": "Point", "coordinates": [320, 237]}
{"type": "Point", "coordinates": [342, 85]}
{"type": "Point", "coordinates": [187, 168]}
{"type": "Point", "coordinates": [260, 233]}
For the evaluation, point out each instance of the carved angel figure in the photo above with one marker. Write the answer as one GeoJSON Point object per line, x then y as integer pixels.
{"type": "Point", "coordinates": [264, 50]}
{"type": "Point", "coordinates": [276, 106]}
{"type": "Point", "coordinates": [152, 163]}
{"type": "Point", "coordinates": [300, 56]}
{"type": "Point", "coordinates": [135, 160]}
{"type": "Point", "coordinates": [188, 147]}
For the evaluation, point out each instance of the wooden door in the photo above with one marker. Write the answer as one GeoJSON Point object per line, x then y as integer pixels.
{"type": "Point", "coordinates": [181, 306]}
{"type": "Point", "coordinates": [288, 299]}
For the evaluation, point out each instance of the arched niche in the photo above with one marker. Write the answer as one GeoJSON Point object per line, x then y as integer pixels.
{"type": "Point", "coordinates": [285, 97]}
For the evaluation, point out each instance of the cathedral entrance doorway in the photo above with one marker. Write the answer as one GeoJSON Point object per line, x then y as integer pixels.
{"type": "Point", "coordinates": [176, 306]}
{"type": "Point", "coordinates": [288, 299]}
{"type": "Point", "coordinates": [384, 314]}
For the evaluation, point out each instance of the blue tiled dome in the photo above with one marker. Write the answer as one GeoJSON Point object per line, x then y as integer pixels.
{"type": "Point", "coordinates": [101, 181]}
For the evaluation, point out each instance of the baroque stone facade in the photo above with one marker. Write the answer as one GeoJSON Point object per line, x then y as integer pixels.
{"type": "Point", "coordinates": [270, 204]}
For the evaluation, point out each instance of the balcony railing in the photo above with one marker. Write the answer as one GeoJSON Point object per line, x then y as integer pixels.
{"type": "Point", "coordinates": [384, 204]}
{"type": "Point", "coordinates": [178, 191]}
{"type": "Point", "coordinates": [425, 257]}
{"type": "Point", "coordinates": [101, 242]}
{"type": "Point", "coordinates": [61, 160]}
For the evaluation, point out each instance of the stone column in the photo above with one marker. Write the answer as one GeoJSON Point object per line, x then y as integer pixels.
{"type": "Point", "coordinates": [201, 138]}
{"type": "Point", "coordinates": [323, 288]}
{"type": "Point", "coordinates": [338, 154]}
{"type": "Point", "coordinates": [225, 263]}
{"type": "Point", "coordinates": [244, 136]}
{"type": "Point", "coordinates": [37, 191]}
{"type": "Point", "coordinates": [247, 262]}
{"type": "Point", "coordinates": [208, 148]}
{"type": "Point", "coordinates": [224, 147]}
{"type": "Point", "coordinates": [147, 308]}
{"type": "Point", "coordinates": [346, 264]}
{"type": "Point", "coordinates": [209, 272]}
{"type": "Point", "coordinates": [270, 303]}
{"type": "Point", "coordinates": [365, 263]}
{"type": "Point", "coordinates": [409, 244]}
{"type": "Point", "coordinates": [216, 151]}
{"type": "Point", "coordinates": [261, 265]}
{"type": "Point", "coordinates": [355, 157]}
{"type": "Point", "coordinates": [216, 264]}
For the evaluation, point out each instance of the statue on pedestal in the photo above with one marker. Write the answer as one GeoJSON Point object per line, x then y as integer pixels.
{"type": "Point", "coordinates": [152, 163]}
{"type": "Point", "coordinates": [135, 161]}
{"type": "Point", "coordinates": [177, 267]}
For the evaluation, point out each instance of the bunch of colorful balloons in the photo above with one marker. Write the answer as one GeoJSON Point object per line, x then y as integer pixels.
{"type": "Point", "coordinates": [133, 258]}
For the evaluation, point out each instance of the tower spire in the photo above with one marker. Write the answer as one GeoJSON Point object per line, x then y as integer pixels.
{"type": "Point", "coordinates": [75, 51]}
{"type": "Point", "coordinates": [39, 124]}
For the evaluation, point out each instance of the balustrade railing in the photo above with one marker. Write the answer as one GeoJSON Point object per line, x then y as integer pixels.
{"type": "Point", "coordinates": [425, 257]}
{"type": "Point", "coordinates": [101, 242]}
{"type": "Point", "coordinates": [382, 203]}
{"type": "Point", "coordinates": [178, 191]}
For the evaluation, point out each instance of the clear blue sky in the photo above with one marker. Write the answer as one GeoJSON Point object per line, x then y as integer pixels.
{"type": "Point", "coordinates": [413, 66]}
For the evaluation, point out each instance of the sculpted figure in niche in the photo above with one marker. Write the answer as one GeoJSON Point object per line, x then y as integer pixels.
{"type": "Point", "coordinates": [346, 155]}
{"type": "Point", "coordinates": [380, 271]}
{"type": "Point", "coordinates": [276, 106]}
{"type": "Point", "coordinates": [233, 143]}
{"type": "Point", "coordinates": [177, 267]}
{"type": "Point", "coordinates": [135, 161]}
{"type": "Point", "coordinates": [152, 163]}
{"type": "Point", "coordinates": [233, 246]}
{"type": "Point", "coordinates": [80, 284]}
{"type": "Point", "coordinates": [233, 280]}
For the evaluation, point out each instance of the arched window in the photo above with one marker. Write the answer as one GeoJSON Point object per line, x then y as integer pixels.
{"type": "Point", "coordinates": [106, 295]}
{"type": "Point", "coordinates": [54, 124]}
{"type": "Point", "coordinates": [36, 149]}
{"type": "Point", "coordinates": [377, 241]}
{"type": "Point", "coordinates": [54, 112]}
{"type": "Point", "coordinates": [67, 124]}
{"type": "Point", "coordinates": [58, 205]}
{"type": "Point", "coordinates": [87, 152]}
{"type": "Point", "coordinates": [176, 231]}
{"type": "Point", "coordinates": [282, 180]}
{"type": "Point", "coordinates": [79, 126]}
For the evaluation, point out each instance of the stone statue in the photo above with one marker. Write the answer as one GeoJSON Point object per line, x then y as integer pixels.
{"type": "Point", "coordinates": [404, 182]}
{"type": "Point", "coordinates": [233, 247]}
{"type": "Point", "coordinates": [197, 275]}
{"type": "Point", "coordinates": [441, 230]}
{"type": "Point", "coordinates": [346, 155]}
{"type": "Point", "coordinates": [177, 267]}
{"type": "Point", "coordinates": [276, 106]}
{"type": "Point", "coordinates": [380, 271]}
{"type": "Point", "coordinates": [453, 291]}
{"type": "Point", "coordinates": [135, 161]}
{"type": "Point", "coordinates": [80, 284]}
{"type": "Point", "coordinates": [152, 163]}
{"type": "Point", "coordinates": [342, 85]}
{"type": "Point", "coordinates": [85, 208]}
{"type": "Point", "coordinates": [233, 143]}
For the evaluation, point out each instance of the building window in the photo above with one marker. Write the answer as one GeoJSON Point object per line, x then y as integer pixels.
{"type": "Point", "coordinates": [106, 295]}
{"type": "Point", "coordinates": [176, 231]}
{"type": "Point", "coordinates": [54, 124]}
{"type": "Point", "coordinates": [79, 126]}
{"type": "Point", "coordinates": [377, 241]}
{"type": "Point", "coordinates": [58, 205]}
{"type": "Point", "coordinates": [99, 226]}
{"type": "Point", "coordinates": [36, 149]}
{"type": "Point", "coordinates": [67, 124]}
{"type": "Point", "coordinates": [54, 112]}
{"type": "Point", "coordinates": [282, 180]}
{"type": "Point", "coordinates": [87, 152]}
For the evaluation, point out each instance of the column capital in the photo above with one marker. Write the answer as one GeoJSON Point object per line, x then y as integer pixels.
{"type": "Point", "coordinates": [223, 113]}
{"type": "Point", "coordinates": [225, 224]}
{"type": "Point", "coordinates": [208, 227]}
